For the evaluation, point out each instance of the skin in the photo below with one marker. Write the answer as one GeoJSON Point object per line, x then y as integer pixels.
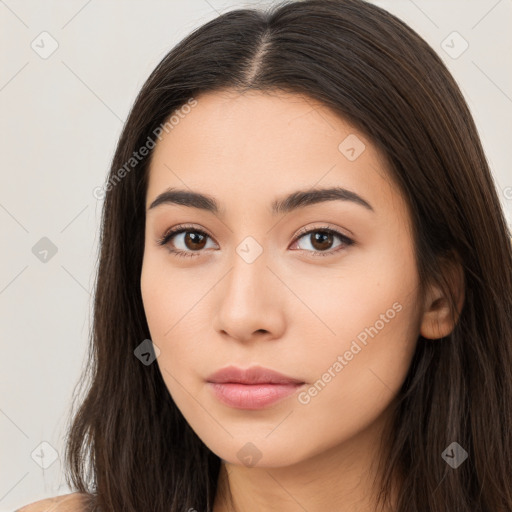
{"type": "Point", "coordinates": [72, 502]}
{"type": "Point", "coordinates": [288, 310]}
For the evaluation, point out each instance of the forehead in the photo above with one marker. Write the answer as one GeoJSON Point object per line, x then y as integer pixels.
{"type": "Point", "coordinates": [255, 145]}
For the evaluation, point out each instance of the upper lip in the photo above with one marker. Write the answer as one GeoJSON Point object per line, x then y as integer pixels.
{"type": "Point", "coordinates": [252, 375]}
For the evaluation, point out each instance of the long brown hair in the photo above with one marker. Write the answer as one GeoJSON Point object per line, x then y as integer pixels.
{"type": "Point", "coordinates": [129, 446]}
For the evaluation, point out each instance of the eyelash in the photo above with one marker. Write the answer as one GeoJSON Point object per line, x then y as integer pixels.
{"type": "Point", "coordinates": [347, 242]}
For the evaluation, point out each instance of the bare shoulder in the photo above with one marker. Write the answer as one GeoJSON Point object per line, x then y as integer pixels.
{"type": "Point", "coordinates": [74, 502]}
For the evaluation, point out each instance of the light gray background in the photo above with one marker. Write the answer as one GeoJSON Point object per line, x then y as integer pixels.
{"type": "Point", "coordinates": [60, 120]}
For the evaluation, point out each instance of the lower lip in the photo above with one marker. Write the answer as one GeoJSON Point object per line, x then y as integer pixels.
{"type": "Point", "coordinates": [251, 396]}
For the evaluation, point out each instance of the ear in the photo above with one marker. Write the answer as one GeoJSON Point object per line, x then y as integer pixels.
{"type": "Point", "coordinates": [442, 309]}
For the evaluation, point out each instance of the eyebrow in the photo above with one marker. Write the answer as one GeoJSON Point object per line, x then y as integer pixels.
{"type": "Point", "coordinates": [291, 202]}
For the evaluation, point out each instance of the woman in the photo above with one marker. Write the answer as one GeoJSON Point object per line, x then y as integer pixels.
{"type": "Point", "coordinates": [304, 296]}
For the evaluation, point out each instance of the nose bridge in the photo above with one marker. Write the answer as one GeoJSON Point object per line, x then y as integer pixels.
{"type": "Point", "coordinates": [247, 301]}
{"type": "Point", "coordinates": [249, 266]}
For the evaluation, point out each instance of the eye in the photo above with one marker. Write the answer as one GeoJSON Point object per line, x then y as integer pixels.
{"type": "Point", "coordinates": [321, 240]}
{"type": "Point", "coordinates": [194, 240]}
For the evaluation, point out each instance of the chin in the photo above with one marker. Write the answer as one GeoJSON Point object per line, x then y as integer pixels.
{"type": "Point", "coordinates": [259, 452]}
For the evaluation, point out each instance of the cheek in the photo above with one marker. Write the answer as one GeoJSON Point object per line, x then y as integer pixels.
{"type": "Point", "coordinates": [173, 309]}
{"type": "Point", "coordinates": [357, 372]}
{"type": "Point", "coordinates": [160, 305]}
{"type": "Point", "coordinates": [365, 301]}
{"type": "Point", "coordinates": [165, 294]}
{"type": "Point", "coordinates": [370, 354]}
{"type": "Point", "coordinates": [354, 377]}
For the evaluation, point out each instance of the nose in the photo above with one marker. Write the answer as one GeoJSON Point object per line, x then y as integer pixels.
{"type": "Point", "coordinates": [250, 301]}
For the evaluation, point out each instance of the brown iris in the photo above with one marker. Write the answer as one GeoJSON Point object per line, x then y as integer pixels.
{"type": "Point", "coordinates": [321, 240]}
{"type": "Point", "coordinates": [196, 240]}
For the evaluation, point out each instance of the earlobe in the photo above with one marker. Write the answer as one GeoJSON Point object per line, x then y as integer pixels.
{"type": "Point", "coordinates": [440, 314]}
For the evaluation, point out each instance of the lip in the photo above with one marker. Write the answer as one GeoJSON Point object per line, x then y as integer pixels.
{"type": "Point", "coordinates": [251, 388]}
{"type": "Point", "coordinates": [252, 375]}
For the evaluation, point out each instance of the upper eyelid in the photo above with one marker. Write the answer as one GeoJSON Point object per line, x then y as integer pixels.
{"type": "Point", "coordinates": [325, 227]}
{"type": "Point", "coordinates": [180, 228]}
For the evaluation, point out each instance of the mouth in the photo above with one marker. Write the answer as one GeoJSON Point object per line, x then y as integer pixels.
{"type": "Point", "coordinates": [252, 388]}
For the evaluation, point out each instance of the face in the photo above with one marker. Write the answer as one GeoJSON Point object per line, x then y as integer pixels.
{"type": "Point", "coordinates": [324, 291]}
